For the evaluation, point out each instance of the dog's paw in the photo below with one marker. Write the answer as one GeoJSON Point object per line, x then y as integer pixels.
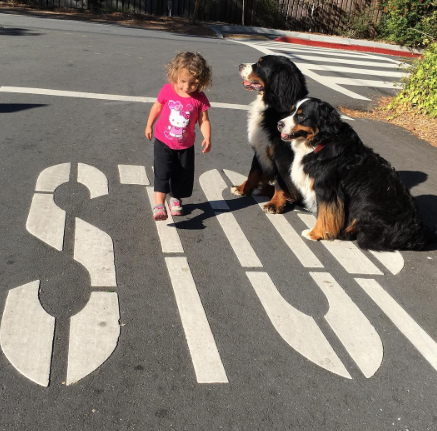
{"type": "Point", "coordinates": [272, 208]}
{"type": "Point", "coordinates": [235, 190]}
{"type": "Point", "coordinates": [307, 234]}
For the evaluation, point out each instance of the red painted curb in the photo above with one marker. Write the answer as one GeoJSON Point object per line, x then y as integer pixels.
{"type": "Point", "coordinates": [348, 47]}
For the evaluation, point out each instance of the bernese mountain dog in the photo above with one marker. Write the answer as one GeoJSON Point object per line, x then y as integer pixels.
{"type": "Point", "coordinates": [353, 191]}
{"type": "Point", "coordinates": [280, 84]}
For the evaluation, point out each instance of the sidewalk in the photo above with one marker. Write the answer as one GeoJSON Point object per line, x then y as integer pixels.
{"type": "Point", "coordinates": [312, 39]}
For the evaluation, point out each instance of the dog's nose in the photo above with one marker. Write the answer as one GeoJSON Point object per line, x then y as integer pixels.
{"type": "Point", "coordinates": [281, 125]}
{"type": "Point", "coordinates": [241, 67]}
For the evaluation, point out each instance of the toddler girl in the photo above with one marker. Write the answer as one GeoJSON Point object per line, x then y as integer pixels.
{"type": "Point", "coordinates": [180, 105]}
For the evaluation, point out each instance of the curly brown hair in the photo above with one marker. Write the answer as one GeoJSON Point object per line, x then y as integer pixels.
{"type": "Point", "coordinates": [196, 66]}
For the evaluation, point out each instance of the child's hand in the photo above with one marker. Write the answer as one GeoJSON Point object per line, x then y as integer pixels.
{"type": "Point", "coordinates": [148, 133]}
{"type": "Point", "coordinates": [207, 144]}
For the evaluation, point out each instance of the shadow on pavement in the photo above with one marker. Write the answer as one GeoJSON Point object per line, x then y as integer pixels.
{"type": "Point", "coordinates": [11, 31]}
{"type": "Point", "coordinates": [413, 178]}
{"type": "Point", "coordinates": [6, 108]}
{"type": "Point", "coordinates": [196, 223]}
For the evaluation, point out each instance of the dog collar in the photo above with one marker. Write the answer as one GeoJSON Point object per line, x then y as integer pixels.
{"type": "Point", "coordinates": [319, 147]}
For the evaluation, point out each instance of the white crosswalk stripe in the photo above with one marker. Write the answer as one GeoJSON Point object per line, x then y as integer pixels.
{"type": "Point", "coordinates": [325, 64]}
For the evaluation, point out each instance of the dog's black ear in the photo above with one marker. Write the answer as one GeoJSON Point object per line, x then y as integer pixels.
{"type": "Point", "coordinates": [328, 120]}
{"type": "Point", "coordinates": [287, 85]}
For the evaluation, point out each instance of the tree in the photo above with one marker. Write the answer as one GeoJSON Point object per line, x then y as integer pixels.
{"type": "Point", "coordinates": [196, 11]}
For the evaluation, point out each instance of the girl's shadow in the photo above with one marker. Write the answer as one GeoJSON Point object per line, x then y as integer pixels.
{"type": "Point", "coordinates": [207, 211]}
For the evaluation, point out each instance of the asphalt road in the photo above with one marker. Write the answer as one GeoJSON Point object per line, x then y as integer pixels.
{"type": "Point", "coordinates": [229, 321]}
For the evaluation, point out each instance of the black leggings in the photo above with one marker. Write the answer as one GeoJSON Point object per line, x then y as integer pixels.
{"type": "Point", "coordinates": [174, 170]}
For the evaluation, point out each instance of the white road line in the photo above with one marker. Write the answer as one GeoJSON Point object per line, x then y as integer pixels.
{"type": "Point", "coordinates": [293, 240]}
{"type": "Point", "coordinates": [94, 333]}
{"type": "Point", "coordinates": [366, 82]}
{"type": "Point", "coordinates": [213, 185]}
{"type": "Point", "coordinates": [402, 320]}
{"type": "Point", "coordinates": [299, 330]}
{"type": "Point", "coordinates": [94, 250]}
{"type": "Point", "coordinates": [230, 106]}
{"type": "Point", "coordinates": [100, 96]}
{"type": "Point", "coordinates": [76, 94]}
{"type": "Point", "coordinates": [26, 333]}
{"type": "Point", "coordinates": [347, 254]}
{"type": "Point", "coordinates": [92, 178]}
{"type": "Point", "coordinates": [52, 177]}
{"type": "Point", "coordinates": [328, 81]}
{"type": "Point", "coordinates": [167, 232]}
{"type": "Point", "coordinates": [331, 52]}
{"type": "Point", "coordinates": [351, 70]}
{"type": "Point", "coordinates": [110, 97]}
{"type": "Point", "coordinates": [343, 61]}
{"type": "Point", "coordinates": [353, 329]}
{"type": "Point", "coordinates": [392, 260]}
{"type": "Point", "coordinates": [46, 220]}
{"type": "Point", "coordinates": [206, 359]}
{"type": "Point", "coordinates": [133, 174]}
{"type": "Point", "coordinates": [237, 239]}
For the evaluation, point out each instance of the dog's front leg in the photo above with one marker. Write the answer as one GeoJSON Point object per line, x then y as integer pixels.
{"type": "Point", "coordinates": [252, 181]}
{"type": "Point", "coordinates": [284, 193]}
{"type": "Point", "coordinates": [330, 221]}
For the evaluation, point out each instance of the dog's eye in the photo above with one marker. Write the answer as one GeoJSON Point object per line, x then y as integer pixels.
{"type": "Point", "coordinates": [299, 112]}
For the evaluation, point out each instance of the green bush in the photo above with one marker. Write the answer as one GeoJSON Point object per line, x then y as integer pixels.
{"type": "Point", "coordinates": [408, 22]}
{"type": "Point", "coordinates": [419, 92]}
{"type": "Point", "coordinates": [429, 27]}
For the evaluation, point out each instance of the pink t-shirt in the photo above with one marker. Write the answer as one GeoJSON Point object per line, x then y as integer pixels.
{"type": "Point", "coordinates": [179, 115]}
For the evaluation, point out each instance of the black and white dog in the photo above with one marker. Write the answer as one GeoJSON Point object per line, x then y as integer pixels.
{"type": "Point", "coordinates": [280, 84]}
{"type": "Point", "coordinates": [354, 192]}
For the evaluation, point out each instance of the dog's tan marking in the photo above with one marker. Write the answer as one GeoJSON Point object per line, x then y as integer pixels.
{"type": "Point", "coordinates": [312, 184]}
{"type": "Point", "coordinates": [248, 186]}
{"type": "Point", "coordinates": [277, 203]}
{"type": "Point", "coordinates": [330, 221]}
{"type": "Point", "coordinates": [351, 228]}
{"type": "Point", "coordinates": [311, 132]}
{"type": "Point", "coordinates": [280, 199]}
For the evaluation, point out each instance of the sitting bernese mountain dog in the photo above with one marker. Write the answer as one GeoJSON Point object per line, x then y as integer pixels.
{"type": "Point", "coordinates": [280, 84]}
{"type": "Point", "coordinates": [354, 192]}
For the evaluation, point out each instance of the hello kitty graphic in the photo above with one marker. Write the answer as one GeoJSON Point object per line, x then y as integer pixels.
{"type": "Point", "coordinates": [179, 120]}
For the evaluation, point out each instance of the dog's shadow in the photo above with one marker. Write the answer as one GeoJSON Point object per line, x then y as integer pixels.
{"type": "Point", "coordinates": [412, 178]}
{"type": "Point", "coordinates": [427, 204]}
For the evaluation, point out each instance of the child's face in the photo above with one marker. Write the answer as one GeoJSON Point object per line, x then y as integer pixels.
{"type": "Point", "coordinates": [186, 83]}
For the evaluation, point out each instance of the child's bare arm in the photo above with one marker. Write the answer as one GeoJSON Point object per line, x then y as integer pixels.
{"type": "Point", "coordinates": [205, 128]}
{"type": "Point", "coordinates": [155, 111]}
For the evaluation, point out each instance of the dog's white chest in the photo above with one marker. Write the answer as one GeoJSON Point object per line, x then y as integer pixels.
{"type": "Point", "coordinates": [258, 137]}
{"type": "Point", "coordinates": [304, 183]}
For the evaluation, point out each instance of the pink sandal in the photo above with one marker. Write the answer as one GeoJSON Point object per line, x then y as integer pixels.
{"type": "Point", "coordinates": [175, 206]}
{"type": "Point", "coordinates": [159, 212]}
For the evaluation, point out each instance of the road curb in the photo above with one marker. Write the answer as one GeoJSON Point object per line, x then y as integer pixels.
{"type": "Point", "coordinates": [320, 40]}
{"type": "Point", "coordinates": [350, 46]}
